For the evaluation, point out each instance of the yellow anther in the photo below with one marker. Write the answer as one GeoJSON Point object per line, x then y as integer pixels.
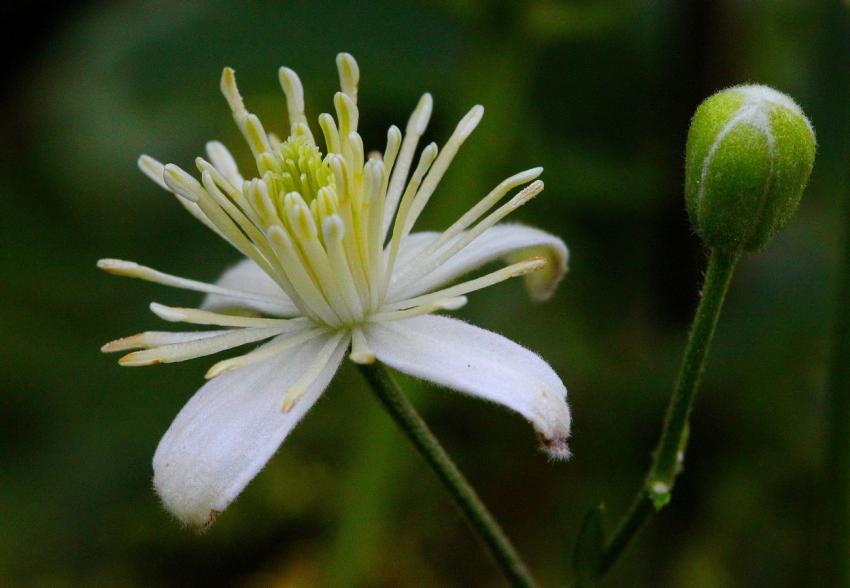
{"type": "Point", "coordinates": [349, 74]}
{"type": "Point", "coordinates": [346, 112]}
{"type": "Point", "coordinates": [231, 94]}
{"type": "Point", "coordinates": [330, 132]}
{"type": "Point", "coordinates": [327, 202]}
{"type": "Point", "coordinates": [304, 224]}
{"type": "Point", "coordinates": [256, 136]}
{"type": "Point", "coordinates": [267, 162]}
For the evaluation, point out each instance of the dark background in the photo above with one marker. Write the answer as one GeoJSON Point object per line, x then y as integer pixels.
{"type": "Point", "coordinates": [600, 94]}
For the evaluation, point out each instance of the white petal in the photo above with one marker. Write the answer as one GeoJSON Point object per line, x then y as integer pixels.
{"type": "Point", "coordinates": [513, 242]}
{"type": "Point", "coordinates": [463, 357]}
{"type": "Point", "coordinates": [230, 428]}
{"type": "Point", "coordinates": [248, 277]}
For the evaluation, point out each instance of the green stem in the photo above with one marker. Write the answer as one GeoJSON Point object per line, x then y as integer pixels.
{"type": "Point", "coordinates": [838, 450]}
{"type": "Point", "coordinates": [655, 492]}
{"type": "Point", "coordinates": [417, 431]}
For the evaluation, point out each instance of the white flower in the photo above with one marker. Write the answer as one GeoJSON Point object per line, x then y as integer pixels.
{"type": "Point", "coordinates": [332, 264]}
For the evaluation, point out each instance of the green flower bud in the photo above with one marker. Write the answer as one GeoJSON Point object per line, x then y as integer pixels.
{"type": "Point", "coordinates": [749, 156]}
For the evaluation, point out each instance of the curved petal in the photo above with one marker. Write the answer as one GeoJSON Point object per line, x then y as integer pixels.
{"type": "Point", "coordinates": [231, 427]}
{"type": "Point", "coordinates": [247, 276]}
{"type": "Point", "coordinates": [463, 357]}
{"type": "Point", "coordinates": [513, 242]}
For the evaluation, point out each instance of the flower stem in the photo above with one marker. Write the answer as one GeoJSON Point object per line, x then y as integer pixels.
{"type": "Point", "coordinates": [403, 412]}
{"type": "Point", "coordinates": [669, 455]}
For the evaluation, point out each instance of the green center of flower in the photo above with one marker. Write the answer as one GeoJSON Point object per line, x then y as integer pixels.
{"type": "Point", "coordinates": [296, 165]}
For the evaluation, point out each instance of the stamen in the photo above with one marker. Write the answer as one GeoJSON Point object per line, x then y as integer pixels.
{"type": "Point", "coordinates": [266, 162]}
{"type": "Point", "coordinates": [257, 239]}
{"type": "Point", "coordinates": [517, 269]}
{"type": "Point", "coordinates": [299, 278]}
{"type": "Point", "coordinates": [299, 388]}
{"type": "Point", "coordinates": [327, 203]}
{"type": "Point", "coordinates": [131, 269]}
{"type": "Point", "coordinates": [415, 128]}
{"type": "Point", "coordinates": [390, 154]}
{"type": "Point", "coordinates": [422, 268]}
{"type": "Point", "coordinates": [178, 180]}
{"type": "Point", "coordinates": [374, 181]}
{"type": "Point", "coordinates": [231, 94]}
{"type": "Point", "coordinates": [196, 316]}
{"type": "Point", "coordinates": [331, 133]}
{"type": "Point", "coordinates": [302, 130]}
{"type": "Point", "coordinates": [235, 213]}
{"type": "Point", "coordinates": [294, 91]}
{"type": "Point", "coordinates": [360, 352]}
{"type": "Point", "coordinates": [425, 161]}
{"type": "Point", "coordinates": [361, 200]}
{"type": "Point", "coordinates": [223, 183]}
{"type": "Point", "coordinates": [352, 248]}
{"type": "Point", "coordinates": [452, 303]}
{"type": "Point", "coordinates": [317, 260]}
{"type": "Point", "coordinates": [356, 157]}
{"type": "Point", "coordinates": [333, 232]}
{"type": "Point", "coordinates": [182, 183]}
{"type": "Point", "coordinates": [484, 205]}
{"type": "Point", "coordinates": [346, 113]}
{"type": "Point", "coordinates": [256, 135]}
{"type": "Point", "coordinates": [155, 170]}
{"type": "Point", "coordinates": [192, 349]}
{"type": "Point", "coordinates": [349, 75]}
{"type": "Point", "coordinates": [248, 123]}
{"type": "Point", "coordinates": [464, 128]}
{"type": "Point", "coordinates": [258, 193]}
{"type": "Point", "coordinates": [150, 339]}
{"type": "Point", "coordinates": [266, 351]}
{"type": "Point", "coordinates": [224, 163]}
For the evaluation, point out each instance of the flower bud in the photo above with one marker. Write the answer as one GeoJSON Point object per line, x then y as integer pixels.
{"type": "Point", "coordinates": [749, 155]}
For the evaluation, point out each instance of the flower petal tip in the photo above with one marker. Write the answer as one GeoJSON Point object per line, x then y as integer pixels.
{"type": "Point", "coordinates": [556, 448]}
{"type": "Point", "coordinates": [193, 506]}
{"type": "Point", "coordinates": [211, 518]}
{"type": "Point", "coordinates": [200, 524]}
{"type": "Point", "coordinates": [541, 285]}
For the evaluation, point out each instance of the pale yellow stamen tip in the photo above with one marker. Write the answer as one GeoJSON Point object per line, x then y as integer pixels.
{"type": "Point", "coordinates": [528, 266]}
{"type": "Point", "coordinates": [220, 368]}
{"type": "Point", "coordinates": [468, 123]}
{"type": "Point", "coordinates": [291, 398]}
{"type": "Point", "coordinates": [118, 267]}
{"type": "Point", "coordinates": [231, 92]}
{"type": "Point", "coordinates": [421, 115]}
{"type": "Point", "coordinates": [362, 358]}
{"type": "Point", "coordinates": [167, 313]}
{"type": "Point", "coordinates": [451, 303]}
{"type": "Point", "coordinates": [291, 84]}
{"type": "Point", "coordinates": [349, 74]}
{"type": "Point", "coordinates": [360, 352]}
{"type": "Point", "coordinates": [152, 169]}
{"type": "Point", "coordinates": [135, 359]}
{"type": "Point", "coordinates": [182, 183]}
{"type": "Point", "coordinates": [123, 344]}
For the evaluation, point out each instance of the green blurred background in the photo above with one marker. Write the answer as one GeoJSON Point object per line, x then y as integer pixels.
{"type": "Point", "coordinates": [600, 94]}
